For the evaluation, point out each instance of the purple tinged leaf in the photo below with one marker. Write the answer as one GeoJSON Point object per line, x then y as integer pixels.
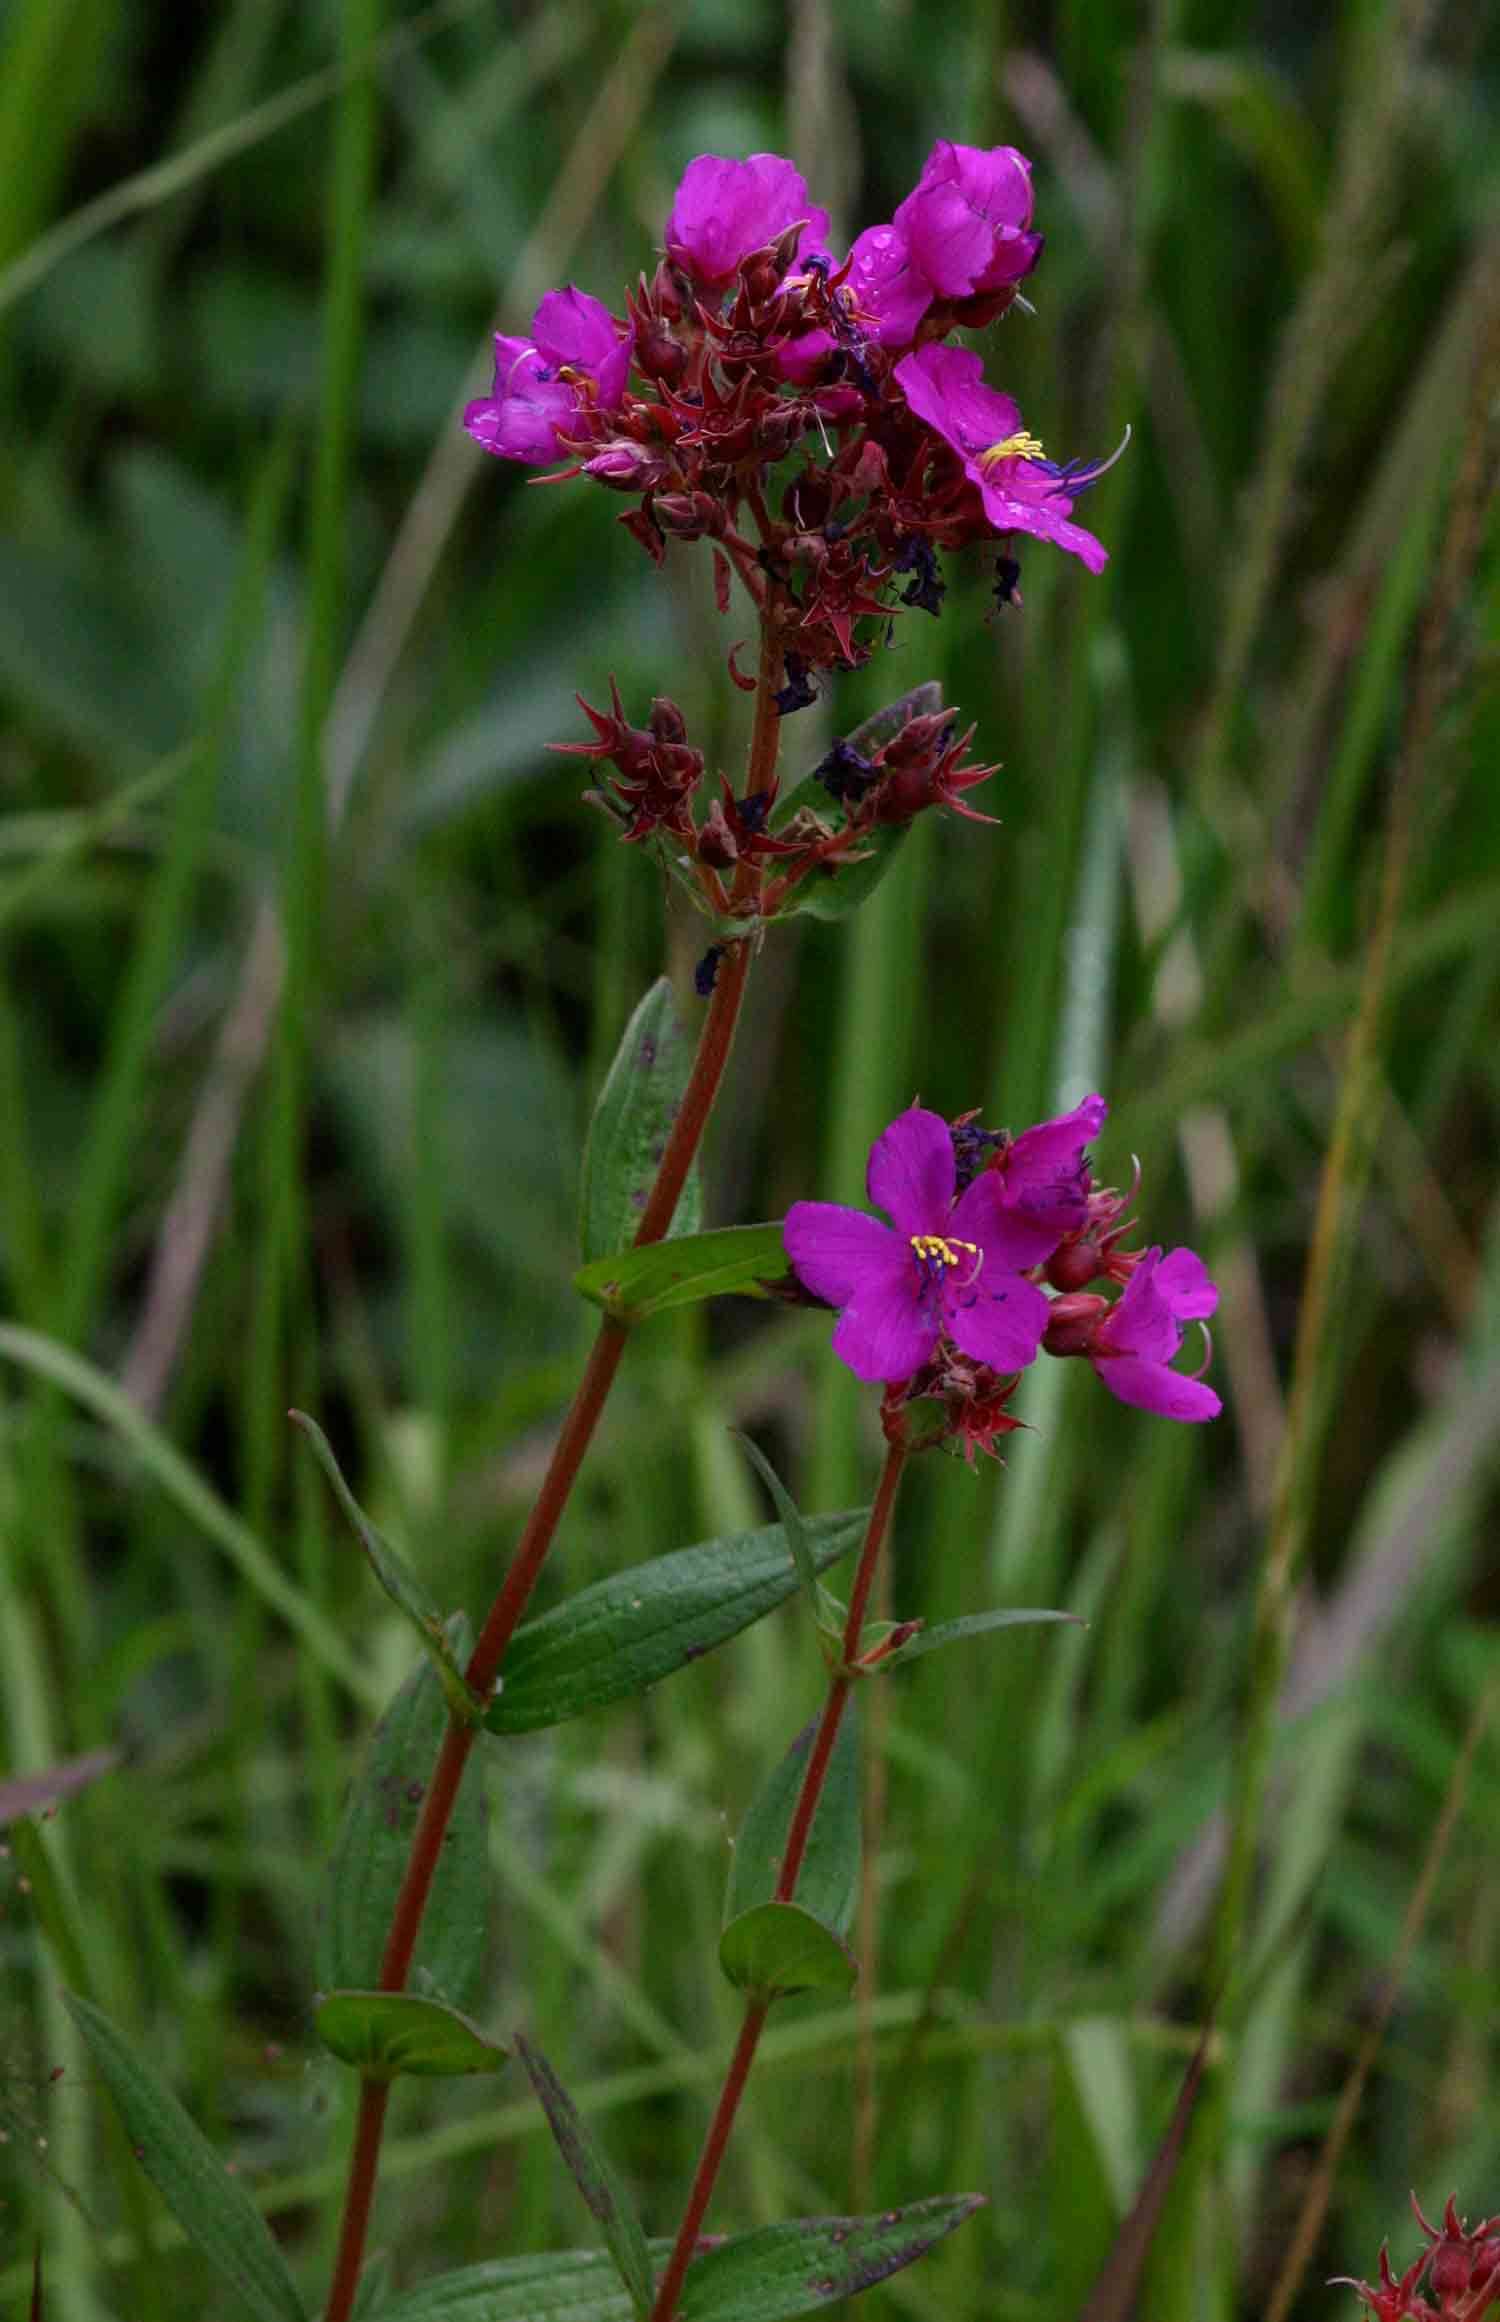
{"type": "Point", "coordinates": [786, 2270]}
{"type": "Point", "coordinates": [34, 1793]}
{"type": "Point", "coordinates": [1113, 2296]}
{"type": "Point", "coordinates": [591, 2171]}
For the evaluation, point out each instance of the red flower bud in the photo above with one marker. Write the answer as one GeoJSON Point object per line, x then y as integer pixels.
{"type": "Point", "coordinates": [1071, 1322]}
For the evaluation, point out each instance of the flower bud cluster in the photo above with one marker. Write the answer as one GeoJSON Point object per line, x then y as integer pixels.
{"type": "Point", "coordinates": [1455, 2279]}
{"type": "Point", "coordinates": [751, 345]}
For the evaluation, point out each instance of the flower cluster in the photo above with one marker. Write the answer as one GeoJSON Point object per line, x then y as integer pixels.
{"type": "Point", "coordinates": [1460, 2267]}
{"type": "Point", "coordinates": [753, 350]}
{"type": "Point", "coordinates": [951, 1298]}
{"type": "Point", "coordinates": [657, 774]}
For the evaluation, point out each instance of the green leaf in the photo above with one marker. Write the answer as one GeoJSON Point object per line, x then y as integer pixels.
{"type": "Point", "coordinates": [628, 1134]}
{"type": "Point", "coordinates": [386, 2033]}
{"type": "Point", "coordinates": [568, 2285]}
{"type": "Point", "coordinates": [589, 2167]}
{"type": "Point", "coordinates": [776, 1949]}
{"type": "Point", "coordinates": [214, 2212]}
{"type": "Point", "coordinates": [630, 1284]}
{"type": "Point", "coordinates": [791, 1517]}
{"type": "Point", "coordinates": [628, 1632]}
{"type": "Point", "coordinates": [785, 2270]}
{"type": "Point", "coordinates": [395, 1576]}
{"type": "Point", "coordinates": [834, 896]}
{"type": "Point", "coordinates": [828, 1883]}
{"type": "Point", "coordinates": [970, 1625]}
{"type": "Point", "coordinates": [769, 2276]}
{"type": "Point", "coordinates": [374, 1842]}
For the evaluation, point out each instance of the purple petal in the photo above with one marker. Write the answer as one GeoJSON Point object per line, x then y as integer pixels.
{"type": "Point", "coordinates": [1013, 502]}
{"type": "Point", "coordinates": [838, 1251]}
{"type": "Point", "coordinates": [1010, 1239]}
{"type": "Point", "coordinates": [1152, 1387]}
{"type": "Point", "coordinates": [1182, 1279]}
{"type": "Point", "coordinates": [888, 1332]}
{"type": "Point", "coordinates": [945, 386]}
{"type": "Point", "coordinates": [997, 1318]}
{"type": "Point", "coordinates": [1141, 1322]}
{"type": "Point", "coordinates": [889, 293]}
{"type": "Point", "coordinates": [724, 209]}
{"type": "Point", "coordinates": [523, 426]}
{"type": "Point", "coordinates": [967, 216]}
{"type": "Point", "coordinates": [1043, 1172]}
{"type": "Point", "coordinates": [912, 1172]}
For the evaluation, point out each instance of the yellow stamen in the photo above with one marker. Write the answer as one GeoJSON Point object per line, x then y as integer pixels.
{"type": "Point", "coordinates": [934, 1246]}
{"type": "Point", "coordinates": [1013, 447]}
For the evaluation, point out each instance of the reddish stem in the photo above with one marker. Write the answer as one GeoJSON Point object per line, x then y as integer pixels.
{"type": "Point", "coordinates": [669, 2289]}
{"type": "Point", "coordinates": [373, 2097]}
{"type": "Point", "coordinates": [573, 1441]}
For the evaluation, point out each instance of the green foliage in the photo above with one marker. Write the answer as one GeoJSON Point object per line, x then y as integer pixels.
{"type": "Point", "coordinates": [374, 1842]}
{"type": "Point", "coordinates": [632, 1119]}
{"type": "Point", "coordinates": [630, 1284]}
{"type": "Point", "coordinates": [384, 2034]}
{"type": "Point", "coordinates": [770, 1948]}
{"type": "Point", "coordinates": [589, 2167]}
{"type": "Point", "coordinates": [217, 2215]}
{"type": "Point", "coordinates": [626, 1633]}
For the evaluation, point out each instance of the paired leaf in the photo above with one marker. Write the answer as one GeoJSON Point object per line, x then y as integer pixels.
{"type": "Point", "coordinates": [777, 1949]}
{"type": "Point", "coordinates": [215, 2213]}
{"type": "Point", "coordinates": [828, 1883]}
{"type": "Point", "coordinates": [630, 1284]}
{"type": "Point", "coordinates": [384, 2034]}
{"type": "Point", "coordinates": [770, 2276]}
{"type": "Point", "coordinates": [772, 1948]}
{"type": "Point", "coordinates": [590, 2169]}
{"type": "Point", "coordinates": [785, 2270]}
{"type": "Point", "coordinates": [970, 1625]}
{"type": "Point", "coordinates": [628, 1632]}
{"type": "Point", "coordinates": [835, 896]}
{"type": "Point", "coordinates": [632, 1121]}
{"type": "Point", "coordinates": [395, 1576]}
{"type": "Point", "coordinates": [374, 1842]}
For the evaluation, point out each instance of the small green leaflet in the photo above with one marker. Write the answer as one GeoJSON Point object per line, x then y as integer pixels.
{"type": "Point", "coordinates": [970, 1625]}
{"type": "Point", "coordinates": [630, 1284]}
{"type": "Point", "coordinates": [626, 1633]}
{"type": "Point", "coordinates": [777, 1949]}
{"type": "Point", "coordinates": [374, 1843]}
{"type": "Point", "coordinates": [771, 1948]}
{"type": "Point", "coordinates": [632, 1120]}
{"type": "Point", "coordinates": [770, 2276]}
{"type": "Point", "coordinates": [213, 2211]}
{"type": "Point", "coordinates": [395, 1576]}
{"type": "Point", "coordinates": [384, 2034]}
{"type": "Point", "coordinates": [589, 2167]}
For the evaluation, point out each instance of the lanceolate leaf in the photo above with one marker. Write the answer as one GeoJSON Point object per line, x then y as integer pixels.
{"type": "Point", "coordinates": [776, 1949]}
{"type": "Point", "coordinates": [785, 2270]}
{"type": "Point", "coordinates": [400, 1583]}
{"type": "Point", "coordinates": [629, 1631]}
{"type": "Point", "coordinates": [590, 2169]}
{"type": "Point", "coordinates": [970, 1625]}
{"type": "Point", "coordinates": [374, 1842]}
{"type": "Point", "coordinates": [214, 2212]}
{"type": "Point", "coordinates": [770, 2276]}
{"type": "Point", "coordinates": [569, 2285]}
{"type": "Point", "coordinates": [386, 2033]}
{"type": "Point", "coordinates": [1114, 2293]}
{"type": "Point", "coordinates": [632, 1120]}
{"type": "Point", "coordinates": [791, 1517]}
{"type": "Point", "coordinates": [835, 896]}
{"type": "Point", "coordinates": [828, 1882]}
{"type": "Point", "coordinates": [630, 1284]}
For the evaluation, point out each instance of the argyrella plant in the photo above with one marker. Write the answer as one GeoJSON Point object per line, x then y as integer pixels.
{"type": "Point", "coordinates": [804, 415]}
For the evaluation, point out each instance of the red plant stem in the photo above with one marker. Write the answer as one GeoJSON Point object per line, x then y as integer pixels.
{"type": "Point", "coordinates": [573, 1440]}
{"type": "Point", "coordinates": [840, 1685]}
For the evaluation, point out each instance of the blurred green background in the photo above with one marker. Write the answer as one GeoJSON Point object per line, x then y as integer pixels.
{"type": "Point", "coordinates": [310, 964]}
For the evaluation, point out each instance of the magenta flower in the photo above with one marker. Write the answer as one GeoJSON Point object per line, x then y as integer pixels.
{"type": "Point", "coordinates": [967, 221]}
{"type": "Point", "coordinates": [1044, 1173]}
{"type": "Point", "coordinates": [940, 1267]}
{"type": "Point", "coordinates": [1022, 491]}
{"type": "Point", "coordinates": [726, 209]}
{"type": "Point", "coordinates": [884, 296]}
{"type": "Point", "coordinates": [575, 360]}
{"type": "Point", "coordinates": [1133, 1345]}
